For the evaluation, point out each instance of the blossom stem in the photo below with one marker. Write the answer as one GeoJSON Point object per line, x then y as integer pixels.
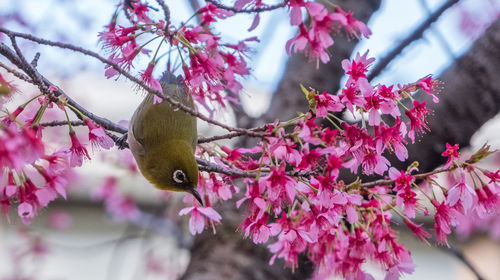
{"type": "Point", "coordinates": [67, 118]}
{"type": "Point", "coordinates": [261, 164]}
{"type": "Point", "coordinates": [391, 207]}
{"type": "Point", "coordinates": [76, 110]}
{"type": "Point", "coordinates": [143, 45]}
{"type": "Point", "coordinates": [186, 22]}
{"type": "Point", "coordinates": [39, 115]}
{"type": "Point", "coordinates": [330, 4]}
{"type": "Point", "coordinates": [186, 43]}
{"type": "Point", "coordinates": [180, 55]}
{"type": "Point", "coordinates": [402, 105]}
{"type": "Point", "coordinates": [338, 119]}
{"type": "Point", "coordinates": [309, 185]}
{"type": "Point", "coordinates": [292, 121]}
{"type": "Point", "coordinates": [29, 101]}
{"type": "Point", "coordinates": [291, 207]}
{"type": "Point", "coordinates": [473, 181]}
{"type": "Point", "coordinates": [169, 52]}
{"type": "Point", "coordinates": [382, 211]}
{"type": "Point", "coordinates": [333, 123]}
{"type": "Point", "coordinates": [305, 197]}
{"type": "Point", "coordinates": [479, 178]}
{"type": "Point", "coordinates": [156, 52]}
{"type": "Point", "coordinates": [422, 191]}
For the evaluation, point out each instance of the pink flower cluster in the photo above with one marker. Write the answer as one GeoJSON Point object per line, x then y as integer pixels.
{"type": "Point", "coordinates": [22, 151]}
{"type": "Point", "coordinates": [315, 37]}
{"type": "Point", "coordinates": [30, 177]}
{"type": "Point", "coordinates": [297, 203]}
{"type": "Point", "coordinates": [212, 69]}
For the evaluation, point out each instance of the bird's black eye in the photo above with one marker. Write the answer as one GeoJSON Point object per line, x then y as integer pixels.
{"type": "Point", "coordinates": [179, 176]}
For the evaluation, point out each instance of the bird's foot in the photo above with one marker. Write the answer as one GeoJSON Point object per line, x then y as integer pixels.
{"type": "Point", "coordinates": [121, 143]}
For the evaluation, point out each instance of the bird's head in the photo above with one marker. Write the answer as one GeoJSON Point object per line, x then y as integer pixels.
{"type": "Point", "coordinates": [172, 166]}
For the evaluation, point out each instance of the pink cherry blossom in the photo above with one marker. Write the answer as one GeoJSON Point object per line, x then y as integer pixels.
{"type": "Point", "coordinates": [98, 136]}
{"type": "Point", "coordinates": [353, 26]}
{"type": "Point", "coordinates": [417, 116]}
{"type": "Point", "coordinates": [78, 151]}
{"type": "Point", "coordinates": [451, 152]}
{"type": "Point", "coordinates": [325, 103]}
{"type": "Point", "coordinates": [200, 217]}
{"type": "Point", "coordinates": [429, 86]}
{"type": "Point", "coordinates": [152, 82]}
{"type": "Point", "coordinates": [417, 230]}
{"type": "Point", "coordinates": [461, 193]}
{"type": "Point", "coordinates": [26, 212]}
{"type": "Point", "coordinates": [443, 220]}
{"type": "Point", "coordinates": [358, 67]}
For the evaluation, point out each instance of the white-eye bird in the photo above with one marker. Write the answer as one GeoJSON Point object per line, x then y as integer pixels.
{"type": "Point", "coordinates": [163, 139]}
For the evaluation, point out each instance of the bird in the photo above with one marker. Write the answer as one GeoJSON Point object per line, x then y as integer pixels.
{"type": "Point", "coordinates": [163, 138]}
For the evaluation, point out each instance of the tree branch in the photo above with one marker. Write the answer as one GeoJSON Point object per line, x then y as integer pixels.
{"type": "Point", "coordinates": [264, 8]}
{"type": "Point", "coordinates": [416, 176]}
{"type": "Point", "coordinates": [62, 123]}
{"type": "Point", "coordinates": [166, 13]}
{"type": "Point", "coordinates": [415, 35]}
{"type": "Point", "coordinates": [43, 83]}
{"type": "Point", "coordinates": [461, 257]}
{"type": "Point", "coordinates": [16, 73]}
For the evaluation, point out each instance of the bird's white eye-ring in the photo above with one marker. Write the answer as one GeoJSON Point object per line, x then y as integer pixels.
{"type": "Point", "coordinates": [179, 176]}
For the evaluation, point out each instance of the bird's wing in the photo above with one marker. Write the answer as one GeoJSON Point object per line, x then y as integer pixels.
{"type": "Point", "coordinates": [135, 146]}
{"type": "Point", "coordinates": [155, 123]}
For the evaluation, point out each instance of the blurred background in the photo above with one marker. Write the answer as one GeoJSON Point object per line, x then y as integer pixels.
{"type": "Point", "coordinates": [84, 238]}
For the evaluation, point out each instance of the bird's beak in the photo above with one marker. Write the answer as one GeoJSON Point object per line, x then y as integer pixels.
{"type": "Point", "coordinates": [195, 193]}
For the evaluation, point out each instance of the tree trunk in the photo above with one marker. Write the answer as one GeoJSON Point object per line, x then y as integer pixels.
{"type": "Point", "coordinates": [470, 97]}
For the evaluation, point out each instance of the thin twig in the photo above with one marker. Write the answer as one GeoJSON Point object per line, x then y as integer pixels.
{"type": "Point", "coordinates": [226, 136]}
{"type": "Point", "coordinates": [62, 123]}
{"type": "Point", "coordinates": [34, 62]}
{"type": "Point", "coordinates": [416, 176]}
{"type": "Point", "coordinates": [442, 40]}
{"type": "Point", "coordinates": [166, 12]}
{"type": "Point", "coordinates": [44, 84]}
{"type": "Point", "coordinates": [417, 34]}
{"type": "Point", "coordinates": [16, 73]}
{"type": "Point", "coordinates": [195, 6]}
{"type": "Point", "coordinates": [265, 8]}
{"type": "Point", "coordinates": [205, 165]}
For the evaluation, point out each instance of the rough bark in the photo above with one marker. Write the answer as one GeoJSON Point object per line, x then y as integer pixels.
{"type": "Point", "coordinates": [470, 97]}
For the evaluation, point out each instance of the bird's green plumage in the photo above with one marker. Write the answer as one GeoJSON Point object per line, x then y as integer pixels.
{"type": "Point", "coordinates": [163, 138]}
